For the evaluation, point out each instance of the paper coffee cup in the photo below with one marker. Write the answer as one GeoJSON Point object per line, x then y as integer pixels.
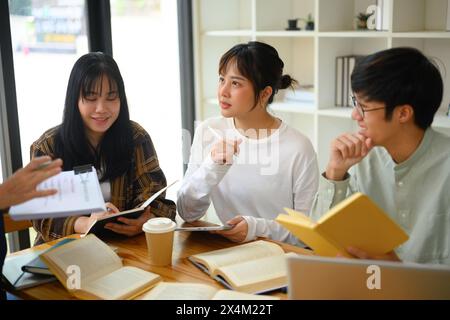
{"type": "Point", "coordinates": [159, 236]}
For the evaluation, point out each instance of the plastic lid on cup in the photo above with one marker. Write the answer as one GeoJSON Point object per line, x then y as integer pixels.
{"type": "Point", "coordinates": [159, 225]}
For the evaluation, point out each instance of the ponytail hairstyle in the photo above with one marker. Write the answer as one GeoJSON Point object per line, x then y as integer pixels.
{"type": "Point", "coordinates": [260, 64]}
{"type": "Point", "coordinates": [114, 153]}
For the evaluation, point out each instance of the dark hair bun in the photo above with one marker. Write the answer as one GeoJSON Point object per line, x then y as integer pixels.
{"type": "Point", "coordinates": [286, 81]}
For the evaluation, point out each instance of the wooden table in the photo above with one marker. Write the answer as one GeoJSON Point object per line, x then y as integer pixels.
{"type": "Point", "coordinates": [133, 251]}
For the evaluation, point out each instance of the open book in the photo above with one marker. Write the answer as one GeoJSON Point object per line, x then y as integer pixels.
{"type": "Point", "coordinates": [98, 227]}
{"type": "Point", "coordinates": [254, 267]}
{"type": "Point", "coordinates": [356, 222]}
{"type": "Point", "coordinates": [90, 269]}
{"type": "Point", "coordinates": [197, 291]}
{"type": "Point", "coordinates": [78, 193]}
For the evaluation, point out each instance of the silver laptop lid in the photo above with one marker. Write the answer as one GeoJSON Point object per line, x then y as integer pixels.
{"type": "Point", "coordinates": [311, 277]}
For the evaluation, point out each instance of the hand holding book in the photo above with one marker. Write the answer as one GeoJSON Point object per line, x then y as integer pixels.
{"type": "Point", "coordinates": [127, 222]}
{"type": "Point", "coordinates": [361, 254]}
{"type": "Point", "coordinates": [83, 224]}
{"type": "Point", "coordinates": [355, 222]}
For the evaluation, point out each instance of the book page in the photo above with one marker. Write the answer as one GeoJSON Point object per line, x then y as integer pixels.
{"type": "Point", "coordinates": [141, 208]}
{"type": "Point", "coordinates": [235, 295]}
{"type": "Point", "coordinates": [299, 215]}
{"type": "Point", "coordinates": [180, 291]}
{"type": "Point", "coordinates": [245, 252]}
{"type": "Point", "coordinates": [306, 231]}
{"type": "Point", "coordinates": [77, 194]}
{"type": "Point", "coordinates": [94, 258]}
{"type": "Point", "coordinates": [257, 275]}
{"type": "Point", "coordinates": [121, 283]}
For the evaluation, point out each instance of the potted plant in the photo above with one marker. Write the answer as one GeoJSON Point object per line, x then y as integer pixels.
{"type": "Point", "coordinates": [361, 20]}
{"type": "Point", "coordinates": [309, 22]}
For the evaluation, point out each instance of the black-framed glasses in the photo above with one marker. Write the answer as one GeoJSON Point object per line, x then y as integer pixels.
{"type": "Point", "coordinates": [360, 109]}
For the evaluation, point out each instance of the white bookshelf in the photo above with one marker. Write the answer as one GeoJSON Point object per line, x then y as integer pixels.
{"type": "Point", "coordinates": [309, 56]}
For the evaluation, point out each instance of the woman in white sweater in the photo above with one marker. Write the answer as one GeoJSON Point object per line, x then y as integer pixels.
{"type": "Point", "coordinates": [249, 163]}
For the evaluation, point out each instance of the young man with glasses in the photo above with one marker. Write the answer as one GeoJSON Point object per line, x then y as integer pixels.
{"type": "Point", "coordinates": [395, 158]}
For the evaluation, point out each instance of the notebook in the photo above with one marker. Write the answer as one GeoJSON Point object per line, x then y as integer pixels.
{"type": "Point", "coordinates": [37, 266]}
{"type": "Point", "coordinates": [78, 193]}
{"type": "Point", "coordinates": [13, 276]}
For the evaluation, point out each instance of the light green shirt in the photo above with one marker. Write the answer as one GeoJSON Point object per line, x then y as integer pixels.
{"type": "Point", "coordinates": [415, 194]}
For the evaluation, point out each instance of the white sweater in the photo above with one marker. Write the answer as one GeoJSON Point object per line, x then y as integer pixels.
{"type": "Point", "coordinates": [267, 175]}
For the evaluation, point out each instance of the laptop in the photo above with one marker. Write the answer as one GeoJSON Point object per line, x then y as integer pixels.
{"type": "Point", "coordinates": [313, 277]}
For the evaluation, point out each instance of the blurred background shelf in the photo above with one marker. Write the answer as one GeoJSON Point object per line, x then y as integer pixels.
{"type": "Point", "coordinates": [310, 55]}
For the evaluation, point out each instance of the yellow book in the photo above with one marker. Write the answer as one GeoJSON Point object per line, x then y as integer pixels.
{"type": "Point", "coordinates": [356, 221]}
{"type": "Point", "coordinates": [197, 291]}
{"type": "Point", "coordinates": [90, 269]}
{"type": "Point", "coordinates": [253, 267]}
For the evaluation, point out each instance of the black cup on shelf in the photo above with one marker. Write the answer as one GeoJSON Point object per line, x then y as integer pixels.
{"type": "Point", "coordinates": [292, 24]}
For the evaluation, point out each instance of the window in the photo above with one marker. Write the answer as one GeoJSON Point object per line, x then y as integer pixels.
{"type": "Point", "coordinates": [47, 37]}
{"type": "Point", "coordinates": [145, 46]}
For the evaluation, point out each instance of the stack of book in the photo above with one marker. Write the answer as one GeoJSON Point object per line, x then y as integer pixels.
{"type": "Point", "coordinates": [304, 94]}
{"type": "Point", "coordinates": [344, 69]}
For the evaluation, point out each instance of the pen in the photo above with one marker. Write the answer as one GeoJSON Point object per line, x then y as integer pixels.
{"type": "Point", "coordinates": [215, 133]}
{"type": "Point", "coordinates": [43, 165]}
{"type": "Point", "coordinates": [218, 136]}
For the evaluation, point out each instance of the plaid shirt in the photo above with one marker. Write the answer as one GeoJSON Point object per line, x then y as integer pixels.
{"type": "Point", "coordinates": [143, 179]}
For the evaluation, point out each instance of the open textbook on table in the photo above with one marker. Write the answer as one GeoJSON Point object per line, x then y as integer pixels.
{"type": "Point", "coordinates": [254, 267]}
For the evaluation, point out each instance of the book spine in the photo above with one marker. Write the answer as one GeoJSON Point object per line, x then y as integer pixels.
{"type": "Point", "coordinates": [448, 15]}
{"type": "Point", "coordinates": [351, 66]}
{"type": "Point", "coordinates": [345, 97]}
{"type": "Point", "coordinates": [338, 81]}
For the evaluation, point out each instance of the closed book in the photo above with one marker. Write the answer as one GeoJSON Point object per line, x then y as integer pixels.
{"type": "Point", "coordinates": [352, 61]}
{"type": "Point", "coordinates": [339, 81]}
{"type": "Point", "coordinates": [448, 15]}
{"type": "Point", "coordinates": [345, 84]}
{"type": "Point", "coordinates": [37, 266]}
{"type": "Point", "coordinates": [15, 279]}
